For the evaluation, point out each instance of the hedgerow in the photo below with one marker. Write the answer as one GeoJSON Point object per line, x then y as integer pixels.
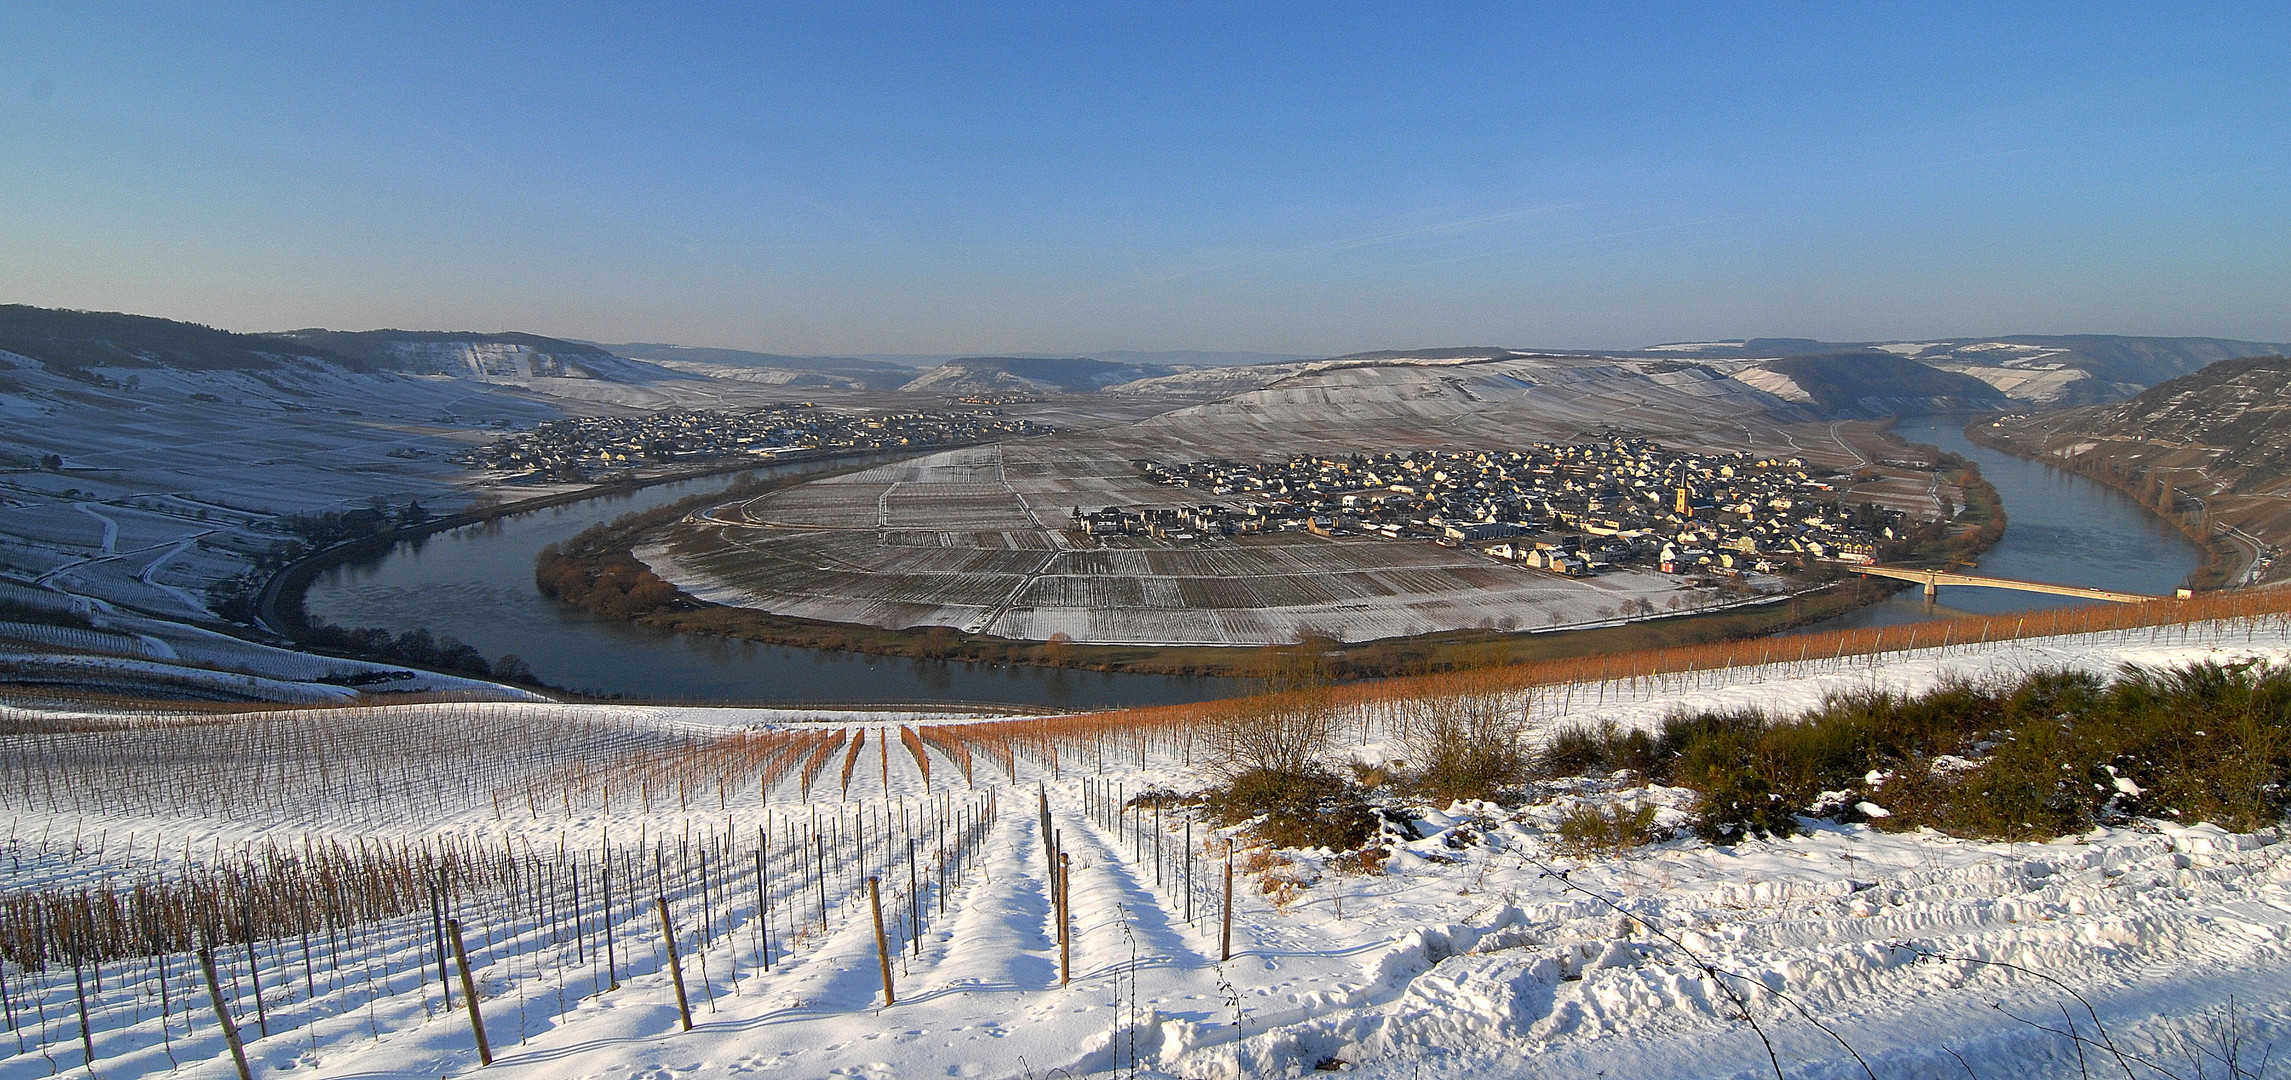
{"type": "Point", "coordinates": [2048, 754]}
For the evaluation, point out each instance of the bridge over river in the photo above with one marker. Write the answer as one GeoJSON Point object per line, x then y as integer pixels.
{"type": "Point", "coordinates": [1934, 579]}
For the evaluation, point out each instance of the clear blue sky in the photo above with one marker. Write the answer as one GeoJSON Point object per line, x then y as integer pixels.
{"type": "Point", "coordinates": [1312, 178]}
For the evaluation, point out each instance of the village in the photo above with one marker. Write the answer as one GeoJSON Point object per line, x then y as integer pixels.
{"type": "Point", "coordinates": [1574, 510]}
{"type": "Point", "coordinates": [595, 448]}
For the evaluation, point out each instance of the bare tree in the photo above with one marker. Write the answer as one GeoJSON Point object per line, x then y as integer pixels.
{"type": "Point", "coordinates": [1285, 734]}
{"type": "Point", "coordinates": [1468, 746]}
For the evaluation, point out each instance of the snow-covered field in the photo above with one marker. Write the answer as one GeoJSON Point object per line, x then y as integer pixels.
{"type": "Point", "coordinates": [1483, 948]}
{"type": "Point", "coordinates": [979, 539]}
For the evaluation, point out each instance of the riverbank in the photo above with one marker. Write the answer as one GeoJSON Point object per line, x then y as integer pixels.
{"type": "Point", "coordinates": [1984, 510]}
{"type": "Point", "coordinates": [2225, 560]}
{"type": "Point", "coordinates": [614, 584]}
{"type": "Point", "coordinates": [597, 571]}
{"type": "Point", "coordinates": [280, 607]}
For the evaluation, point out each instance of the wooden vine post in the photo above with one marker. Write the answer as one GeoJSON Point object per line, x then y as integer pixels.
{"type": "Point", "coordinates": [612, 963]}
{"type": "Point", "coordinates": [914, 899]}
{"type": "Point", "coordinates": [87, 1029]}
{"type": "Point", "coordinates": [437, 930]}
{"type": "Point", "coordinates": [675, 965]}
{"type": "Point", "coordinates": [223, 1013]}
{"type": "Point", "coordinates": [763, 906]}
{"type": "Point", "coordinates": [1189, 871]}
{"type": "Point", "coordinates": [254, 973]}
{"type": "Point", "coordinates": [1225, 937]}
{"type": "Point", "coordinates": [882, 943]}
{"type": "Point", "coordinates": [1049, 842]}
{"type": "Point", "coordinates": [1065, 919]}
{"type": "Point", "coordinates": [469, 992]}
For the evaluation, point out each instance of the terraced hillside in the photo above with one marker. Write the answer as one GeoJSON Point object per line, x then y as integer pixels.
{"type": "Point", "coordinates": [2212, 448]}
{"type": "Point", "coordinates": [1411, 402]}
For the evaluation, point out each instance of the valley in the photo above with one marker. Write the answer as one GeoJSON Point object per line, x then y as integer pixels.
{"type": "Point", "coordinates": [2210, 451]}
{"type": "Point", "coordinates": [1572, 548]}
{"type": "Point", "coordinates": [217, 457]}
{"type": "Point", "coordinates": [1144, 542]}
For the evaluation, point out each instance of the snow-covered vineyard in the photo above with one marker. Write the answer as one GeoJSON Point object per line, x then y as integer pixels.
{"type": "Point", "coordinates": [609, 869]}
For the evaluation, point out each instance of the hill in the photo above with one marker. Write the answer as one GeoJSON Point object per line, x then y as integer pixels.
{"type": "Point", "coordinates": [2212, 448]}
{"type": "Point", "coordinates": [2059, 370]}
{"type": "Point", "coordinates": [158, 465]}
{"type": "Point", "coordinates": [1468, 399]}
{"type": "Point", "coordinates": [474, 355]}
{"type": "Point", "coordinates": [1873, 383]}
{"type": "Point", "coordinates": [991, 374]}
{"type": "Point", "coordinates": [1839, 379]}
{"type": "Point", "coordinates": [1465, 352]}
{"type": "Point", "coordinates": [74, 343]}
{"type": "Point", "coordinates": [849, 372]}
{"type": "Point", "coordinates": [2235, 416]}
{"type": "Point", "coordinates": [2236, 406]}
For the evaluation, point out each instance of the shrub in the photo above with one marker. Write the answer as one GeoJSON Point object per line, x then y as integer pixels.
{"type": "Point", "coordinates": [1584, 751]}
{"type": "Point", "coordinates": [1465, 748]}
{"type": "Point", "coordinates": [1366, 859]}
{"type": "Point", "coordinates": [1576, 751]}
{"type": "Point", "coordinates": [1633, 751]}
{"type": "Point", "coordinates": [2047, 754]}
{"type": "Point", "coordinates": [1278, 877]}
{"type": "Point", "coordinates": [1287, 734]}
{"type": "Point", "coordinates": [2050, 754]}
{"type": "Point", "coordinates": [2209, 742]}
{"type": "Point", "coordinates": [1309, 808]}
{"type": "Point", "coordinates": [1737, 803]}
{"type": "Point", "coordinates": [1613, 828]}
{"type": "Point", "coordinates": [1370, 776]}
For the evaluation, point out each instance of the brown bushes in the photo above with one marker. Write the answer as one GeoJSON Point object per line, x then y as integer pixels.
{"type": "Point", "coordinates": [614, 585]}
{"type": "Point", "coordinates": [1285, 735]}
{"type": "Point", "coordinates": [1464, 747]}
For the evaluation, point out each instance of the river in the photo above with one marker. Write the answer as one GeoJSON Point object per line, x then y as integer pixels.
{"type": "Point", "coordinates": [2061, 529]}
{"type": "Point", "coordinates": [476, 584]}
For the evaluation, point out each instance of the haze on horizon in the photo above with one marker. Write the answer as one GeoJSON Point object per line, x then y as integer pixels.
{"type": "Point", "coordinates": [1045, 178]}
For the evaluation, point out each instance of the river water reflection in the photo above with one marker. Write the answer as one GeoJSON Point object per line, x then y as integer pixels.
{"type": "Point", "coordinates": [476, 584]}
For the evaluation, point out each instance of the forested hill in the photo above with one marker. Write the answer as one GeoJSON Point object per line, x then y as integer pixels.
{"type": "Point", "coordinates": [76, 341]}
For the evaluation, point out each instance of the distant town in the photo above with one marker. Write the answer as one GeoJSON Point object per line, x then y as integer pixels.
{"type": "Point", "coordinates": [593, 448]}
{"type": "Point", "coordinates": [1569, 509]}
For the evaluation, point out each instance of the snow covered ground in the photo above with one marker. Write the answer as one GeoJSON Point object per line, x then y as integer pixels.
{"type": "Point", "coordinates": [136, 655]}
{"type": "Point", "coordinates": [980, 539]}
{"type": "Point", "coordinates": [1484, 947]}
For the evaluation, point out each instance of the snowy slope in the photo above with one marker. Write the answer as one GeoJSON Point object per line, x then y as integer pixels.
{"type": "Point", "coordinates": [1484, 949]}
{"type": "Point", "coordinates": [1563, 398]}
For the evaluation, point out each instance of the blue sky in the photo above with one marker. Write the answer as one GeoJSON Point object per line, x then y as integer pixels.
{"type": "Point", "coordinates": [1308, 178]}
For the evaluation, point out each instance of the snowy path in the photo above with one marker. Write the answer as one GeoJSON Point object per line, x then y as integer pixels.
{"type": "Point", "coordinates": [110, 544]}
{"type": "Point", "coordinates": [153, 567]}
